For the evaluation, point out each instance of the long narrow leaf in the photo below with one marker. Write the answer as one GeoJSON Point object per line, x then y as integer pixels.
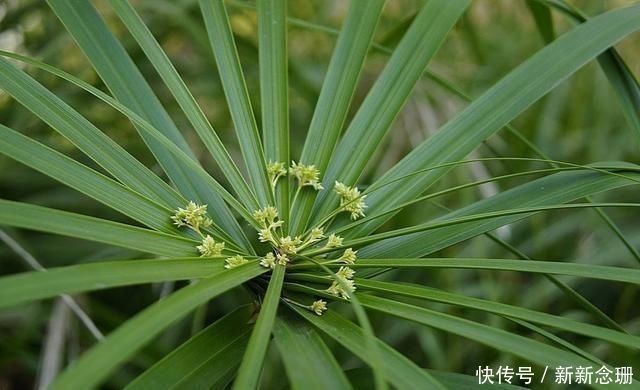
{"type": "Point", "coordinates": [526, 348]}
{"type": "Point", "coordinates": [274, 94]}
{"type": "Point", "coordinates": [187, 102]}
{"type": "Point", "coordinates": [307, 360]}
{"type": "Point", "coordinates": [124, 80]}
{"type": "Point", "coordinates": [628, 275]}
{"type": "Point", "coordinates": [336, 94]}
{"type": "Point", "coordinates": [95, 144]}
{"type": "Point", "coordinates": [84, 179]}
{"type": "Point", "coordinates": [97, 363]}
{"type": "Point", "coordinates": [388, 95]}
{"type": "Point", "coordinates": [251, 366]}
{"type": "Point", "coordinates": [203, 359]}
{"type": "Point", "coordinates": [180, 156]}
{"type": "Point", "coordinates": [513, 94]}
{"type": "Point", "coordinates": [400, 371]}
{"type": "Point", "coordinates": [595, 332]}
{"type": "Point", "coordinates": [554, 189]}
{"type": "Point", "coordinates": [624, 82]}
{"type": "Point", "coordinates": [235, 88]}
{"type": "Point", "coordinates": [29, 286]}
{"type": "Point", "coordinates": [48, 220]}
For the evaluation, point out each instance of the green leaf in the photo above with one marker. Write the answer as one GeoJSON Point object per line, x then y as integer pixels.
{"type": "Point", "coordinates": [48, 220]}
{"type": "Point", "coordinates": [96, 364]}
{"type": "Point", "coordinates": [124, 80]}
{"type": "Point", "coordinates": [526, 348]}
{"type": "Point", "coordinates": [307, 360]}
{"type": "Point", "coordinates": [543, 18]}
{"type": "Point", "coordinates": [624, 82]}
{"type": "Point", "coordinates": [337, 92]}
{"type": "Point", "coordinates": [187, 102]}
{"type": "Point", "coordinates": [274, 94]}
{"type": "Point", "coordinates": [618, 274]}
{"type": "Point", "coordinates": [513, 94]}
{"type": "Point", "coordinates": [251, 366]}
{"type": "Point", "coordinates": [85, 180]}
{"type": "Point", "coordinates": [476, 217]}
{"type": "Point", "coordinates": [29, 286]}
{"type": "Point", "coordinates": [183, 158]}
{"type": "Point", "coordinates": [235, 89]}
{"type": "Point", "coordinates": [553, 189]}
{"type": "Point", "coordinates": [204, 359]}
{"type": "Point", "coordinates": [95, 144]}
{"type": "Point", "coordinates": [432, 294]}
{"type": "Point", "coordinates": [398, 370]}
{"type": "Point", "coordinates": [387, 96]}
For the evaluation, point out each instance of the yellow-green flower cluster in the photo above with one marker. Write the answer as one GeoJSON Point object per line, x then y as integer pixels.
{"type": "Point", "coordinates": [235, 261]}
{"type": "Point", "coordinates": [275, 171]}
{"type": "Point", "coordinates": [210, 247]}
{"type": "Point", "coordinates": [307, 175]}
{"type": "Point", "coordinates": [318, 307]}
{"type": "Point", "coordinates": [344, 285]}
{"type": "Point", "coordinates": [333, 241]}
{"type": "Point", "coordinates": [349, 256]}
{"type": "Point", "coordinates": [193, 216]}
{"type": "Point", "coordinates": [351, 200]}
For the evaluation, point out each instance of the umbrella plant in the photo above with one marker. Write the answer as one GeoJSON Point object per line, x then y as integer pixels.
{"type": "Point", "coordinates": [315, 244]}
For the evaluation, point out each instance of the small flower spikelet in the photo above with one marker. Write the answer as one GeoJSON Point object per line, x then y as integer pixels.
{"type": "Point", "coordinates": [318, 307]}
{"type": "Point", "coordinates": [275, 170]}
{"type": "Point", "coordinates": [307, 175]}
{"type": "Point", "coordinates": [346, 272]}
{"type": "Point", "coordinates": [267, 216]}
{"type": "Point", "coordinates": [210, 247]}
{"type": "Point", "coordinates": [349, 256]}
{"type": "Point", "coordinates": [193, 216]}
{"type": "Point", "coordinates": [351, 200]}
{"type": "Point", "coordinates": [316, 234]}
{"type": "Point", "coordinates": [283, 259]}
{"type": "Point", "coordinates": [268, 261]}
{"type": "Point", "coordinates": [235, 261]}
{"type": "Point", "coordinates": [290, 245]}
{"type": "Point", "coordinates": [342, 288]}
{"type": "Point", "coordinates": [334, 241]}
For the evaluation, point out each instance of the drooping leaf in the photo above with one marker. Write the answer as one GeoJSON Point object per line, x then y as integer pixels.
{"type": "Point", "coordinates": [400, 371]}
{"type": "Point", "coordinates": [65, 223]}
{"type": "Point", "coordinates": [208, 359]}
{"type": "Point", "coordinates": [97, 363]}
{"type": "Point", "coordinates": [29, 286]}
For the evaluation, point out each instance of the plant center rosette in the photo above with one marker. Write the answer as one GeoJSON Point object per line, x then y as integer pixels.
{"type": "Point", "coordinates": [312, 246]}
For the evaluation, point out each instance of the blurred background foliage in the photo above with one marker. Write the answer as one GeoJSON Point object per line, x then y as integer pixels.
{"type": "Point", "coordinates": [580, 121]}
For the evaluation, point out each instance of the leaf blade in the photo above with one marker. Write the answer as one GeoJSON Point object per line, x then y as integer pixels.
{"type": "Point", "coordinates": [94, 366]}
{"type": "Point", "coordinates": [307, 360]}
{"type": "Point", "coordinates": [49, 220]}
{"type": "Point", "coordinates": [377, 112]}
{"type": "Point", "coordinates": [28, 286]}
{"type": "Point", "coordinates": [193, 363]}
{"type": "Point", "coordinates": [235, 88]}
{"type": "Point", "coordinates": [252, 361]}
{"type": "Point", "coordinates": [513, 94]}
{"type": "Point", "coordinates": [399, 370]}
{"type": "Point", "coordinates": [336, 94]}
